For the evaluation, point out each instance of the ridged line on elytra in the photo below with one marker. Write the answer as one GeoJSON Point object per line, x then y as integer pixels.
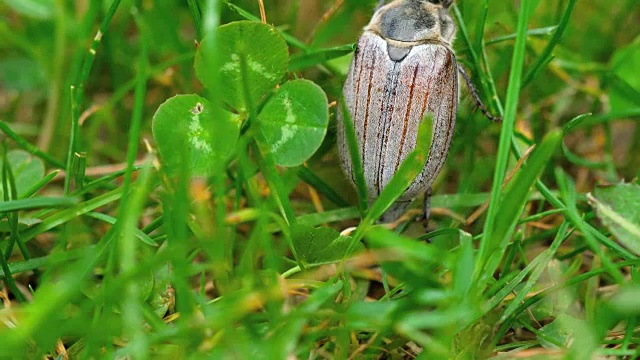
{"type": "Point", "coordinates": [387, 129]}
{"type": "Point", "coordinates": [424, 102]}
{"type": "Point", "coordinates": [454, 100]}
{"type": "Point", "coordinates": [355, 111]}
{"type": "Point", "coordinates": [406, 116]}
{"type": "Point", "coordinates": [449, 122]}
{"type": "Point", "coordinates": [387, 115]}
{"type": "Point", "coordinates": [437, 123]}
{"type": "Point", "coordinates": [357, 62]}
{"type": "Point", "coordinates": [366, 113]}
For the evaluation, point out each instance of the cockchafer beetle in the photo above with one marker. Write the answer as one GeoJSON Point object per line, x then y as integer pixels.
{"type": "Point", "coordinates": [404, 66]}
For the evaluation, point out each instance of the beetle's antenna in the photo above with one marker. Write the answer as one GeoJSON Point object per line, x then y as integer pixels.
{"type": "Point", "coordinates": [380, 4]}
{"type": "Point", "coordinates": [476, 97]}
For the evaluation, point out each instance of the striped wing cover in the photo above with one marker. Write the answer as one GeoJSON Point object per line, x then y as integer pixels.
{"type": "Point", "coordinates": [388, 100]}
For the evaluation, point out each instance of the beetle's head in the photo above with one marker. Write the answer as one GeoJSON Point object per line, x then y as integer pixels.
{"type": "Point", "coordinates": [414, 21]}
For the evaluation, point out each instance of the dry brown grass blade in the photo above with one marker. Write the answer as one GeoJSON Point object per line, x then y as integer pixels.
{"type": "Point", "coordinates": [363, 347]}
{"type": "Point", "coordinates": [315, 199]}
{"type": "Point", "coordinates": [90, 111]}
{"type": "Point", "coordinates": [61, 350]}
{"type": "Point", "coordinates": [411, 214]}
{"type": "Point", "coordinates": [263, 13]}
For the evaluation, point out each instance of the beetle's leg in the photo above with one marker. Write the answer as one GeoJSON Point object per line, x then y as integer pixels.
{"type": "Point", "coordinates": [426, 209]}
{"type": "Point", "coordinates": [476, 97]}
{"type": "Point", "coordinates": [427, 206]}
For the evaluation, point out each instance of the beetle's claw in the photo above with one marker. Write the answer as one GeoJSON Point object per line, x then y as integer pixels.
{"type": "Point", "coordinates": [426, 213]}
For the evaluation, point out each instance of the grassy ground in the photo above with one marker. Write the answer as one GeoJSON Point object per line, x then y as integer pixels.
{"type": "Point", "coordinates": [111, 251]}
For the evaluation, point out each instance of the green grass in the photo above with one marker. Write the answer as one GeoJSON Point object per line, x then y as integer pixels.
{"type": "Point", "coordinates": [106, 254]}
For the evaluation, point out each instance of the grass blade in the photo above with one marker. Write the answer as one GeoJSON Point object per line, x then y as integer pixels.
{"type": "Point", "coordinates": [546, 55]}
{"type": "Point", "coordinates": [407, 172]}
{"type": "Point", "coordinates": [356, 158]}
{"type": "Point", "coordinates": [66, 215]}
{"type": "Point", "coordinates": [315, 57]}
{"type": "Point", "coordinates": [37, 203]}
{"type": "Point", "coordinates": [401, 180]}
{"type": "Point", "coordinates": [111, 220]}
{"type": "Point", "coordinates": [322, 187]}
{"type": "Point", "coordinates": [27, 146]}
{"type": "Point", "coordinates": [512, 203]}
{"type": "Point", "coordinates": [488, 243]}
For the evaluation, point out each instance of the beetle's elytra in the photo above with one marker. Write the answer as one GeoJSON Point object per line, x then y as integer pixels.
{"type": "Point", "coordinates": [404, 67]}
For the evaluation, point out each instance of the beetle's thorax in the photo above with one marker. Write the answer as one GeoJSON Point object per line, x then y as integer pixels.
{"type": "Point", "coordinates": [407, 23]}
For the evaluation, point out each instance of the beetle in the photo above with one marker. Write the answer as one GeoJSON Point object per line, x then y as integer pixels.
{"type": "Point", "coordinates": [403, 68]}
